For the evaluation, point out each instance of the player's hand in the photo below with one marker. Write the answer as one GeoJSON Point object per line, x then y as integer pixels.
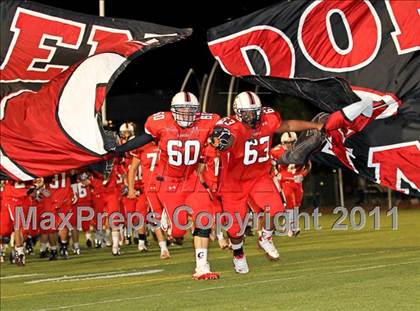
{"type": "Point", "coordinates": [298, 178]}
{"type": "Point", "coordinates": [221, 138]}
{"type": "Point", "coordinates": [131, 195]}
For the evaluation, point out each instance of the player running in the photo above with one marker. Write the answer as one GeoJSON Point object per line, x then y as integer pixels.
{"type": "Point", "coordinates": [290, 177]}
{"type": "Point", "coordinates": [245, 140]}
{"type": "Point", "coordinates": [181, 135]}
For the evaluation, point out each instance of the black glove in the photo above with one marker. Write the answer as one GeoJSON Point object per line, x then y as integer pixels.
{"type": "Point", "coordinates": [221, 138]}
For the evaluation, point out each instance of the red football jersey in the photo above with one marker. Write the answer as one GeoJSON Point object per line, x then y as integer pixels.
{"type": "Point", "coordinates": [211, 158]}
{"type": "Point", "coordinates": [15, 189]}
{"type": "Point", "coordinates": [248, 158]}
{"type": "Point", "coordinates": [287, 171]}
{"type": "Point", "coordinates": [84, 195]}
{"type": "Point", "coordinates": [180, 147]}
{"type": "Point", "coordinates": [149, 159]}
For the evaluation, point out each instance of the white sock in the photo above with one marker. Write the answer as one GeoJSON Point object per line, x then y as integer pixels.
{"type": "Point", "coordinates": [163, 246]}
{"type": "Point", "coordinates": [142, 243]}
{"type": "Point", "coordinates": [259, 233]}
{"type": "Point", "coordinates": [19, 250]}
{"type": "Point", "coordinates": [43, 247]}
{"type": "Point", "coordinates": [296, 218]}
{"type": "Point", "coordinates": [115, 238]}
{"type": "Point", "coordinates": [76, 245]}
{"type": "Point", "coordinates": [88, 236]}
{"type": "Point", "coordinates": [237, 246]}
{"type": "Point", "coordinates": [98, 235]}
{"type": "Point", "coordinates": [107, 234]}
{"type": "Point", "coordinates": [291, 219]}
{"type": "Point", "coordinates": [266, 234]}
{"type": "Point", "coordinates": [201, 257]}
{"type": "Point", "coordinates": [54, 248]}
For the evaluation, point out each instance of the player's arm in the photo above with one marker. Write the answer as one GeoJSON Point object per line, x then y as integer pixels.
{"type": "Point", "coordinates": [134, 143]}
{"type": "Point", "coordinates": [134, 165]}
{"type": "Point", "coordinates": [298, 126]}
{"type": "Point", "coordinates": [307, 168]}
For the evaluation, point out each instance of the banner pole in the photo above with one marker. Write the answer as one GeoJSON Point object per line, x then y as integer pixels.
{"type": "Point", "coordinates": [103, 108]}
{"type": "Point", "coordinates": [340, 186]}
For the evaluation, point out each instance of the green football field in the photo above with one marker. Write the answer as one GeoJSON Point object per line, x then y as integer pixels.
{"type": "Point", "coordinates": [319, 270]}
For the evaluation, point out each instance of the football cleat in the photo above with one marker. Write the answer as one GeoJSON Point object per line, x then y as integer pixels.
{"type": "Point", "coordinates": [98, 243]}
{"type": "Point", "coordinates": [240, 264]}
{"type": "Point", "coordinates": [12, 256]}
{"type": "Point", "coordinates": [1, 258]}
{"type": "Point", "coordinates": [268, 246]}
{"type": "Point", "coordinates": [204, 273]}
{"type": "Point", "coordinates": [142, 248]}
{"type": "Point", "coordinates": [116, 251]}
{"type": "Point", "coordinates": [29, 247]}
{"type": "Point", "coordinates": [76, 251]}
{"type": "Point", "coordinates": [53, 255]}
{"type": "Point", "coordinates": [44, 254]}
{"type": "Point", "coordinates": [20, 260]}
{"type": "Point", "coordinates": [295, 232]}
{"type": "Point", "coordinates": [64, 253]}
{"type": "Point", "coordinates": [89, 243]}
{"type": "Point", "coordinates": [164, 254]}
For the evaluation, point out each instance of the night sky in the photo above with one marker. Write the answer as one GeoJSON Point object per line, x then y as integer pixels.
{"type": "Point", "coordinates": [166, 67]}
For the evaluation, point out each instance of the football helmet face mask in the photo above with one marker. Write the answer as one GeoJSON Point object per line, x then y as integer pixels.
{"type": "Point", "coordinates": [288, 139]}
{"type": "Point", "coordinates": [127, 130]}
{"type": "Point", "coordinates": [247, 107]}
{"type": "Point", "coordinates": [184, 108]}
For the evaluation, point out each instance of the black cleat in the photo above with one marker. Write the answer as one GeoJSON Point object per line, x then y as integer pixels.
{"type": "Point", "coordinates": [53, 255]}
{"type": "Point", "coordinates": [64, 253]}
{"type": "Point", "coordinates": [29, 248]}
{"type": "Point", "coordinates": [98, 244]}
{"type": "Point", "coordinates": [20, 260]}
{"type": "Point", "coordinates": [44, 254]}
{"type": "Point", "coordinates": [12, 256]}
{"type": "Point", "coordinates": [89, 243]}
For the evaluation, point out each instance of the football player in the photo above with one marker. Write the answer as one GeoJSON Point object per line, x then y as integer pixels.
{"type": "Point", "coordinates": [290, 177]}
{"type": "Point", "coordinates": [82, 199]}
{"type": "Point", "coordinates": [126, 132]}
{"type": "Point", "coordinates": [181, 135]}
{"type": "Point", "coordinates": [58, 202]}
{"type": "Point", "coordinates": [209, 172]}
{"type": "Point", "coordinates": [14, 196]}
{"type": "Point", "coordinates": [145, 161]}
{"type": "Point", "coordinates": [245, 141]}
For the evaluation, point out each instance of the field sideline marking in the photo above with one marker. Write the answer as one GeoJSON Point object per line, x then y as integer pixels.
{"type": "Point", "coordinates": [225, 286]}
{"type": "Point", "coordinates": [17, 276]}
{"type": "Point", "coordinates": [93, 276]}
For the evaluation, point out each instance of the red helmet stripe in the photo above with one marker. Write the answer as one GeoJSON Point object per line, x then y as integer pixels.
{"type": "Point", "coordinates": [187, 97]}
{"type": "Point", "coordinates": [251, 98]}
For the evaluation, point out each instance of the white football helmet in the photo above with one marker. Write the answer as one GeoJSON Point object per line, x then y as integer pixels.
{"type": "Point", "coordinates": [184, 108]}
{"type": "Point", "coordinates": [288, 139]}
{"type": "Point", "coordinates": [127, 130]}
{"type": "Point", "coordinates": [247, 107]}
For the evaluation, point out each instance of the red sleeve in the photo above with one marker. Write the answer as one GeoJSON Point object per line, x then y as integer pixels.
{"type": "Point", "coordinates": [273, 117]}
{"type": "Point", "coordinates": [276, 152]}
{"type": "Point", "coordinates": [155, 123]}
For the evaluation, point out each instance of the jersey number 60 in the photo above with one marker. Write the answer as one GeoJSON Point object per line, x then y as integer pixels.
{"type": "Point", "coordinates": [191, 152]}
